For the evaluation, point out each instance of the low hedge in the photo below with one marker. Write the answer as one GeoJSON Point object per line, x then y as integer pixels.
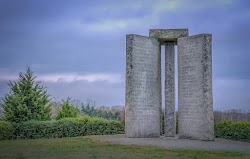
{"type": "Point", "coordinates": [70, 127]}
{"type": "Point", "coordinates": [6, 130]}
{"type": "Point", "coordinates": [67, 127]}
{"type": "Point", "coordinates": [233, 130]}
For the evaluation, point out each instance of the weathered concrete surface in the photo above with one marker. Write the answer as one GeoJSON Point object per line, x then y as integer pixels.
{"type": "Point", "coordinates": [143, 87]}
{"type": "Point", "coordinates": [170, 126]}
{"type": "Point", "coordinates": [175, 143]}
{"type": "Point", "coordinates": [166, 35]}
{"type": "Point", "coordinates": [195, 97]}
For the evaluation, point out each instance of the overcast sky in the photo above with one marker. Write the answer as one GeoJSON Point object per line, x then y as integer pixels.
{"type": "Point", "coordinates": [77, 47]}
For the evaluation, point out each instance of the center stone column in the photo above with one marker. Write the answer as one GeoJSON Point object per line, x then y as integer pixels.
{"type": "Point", "coordinates": [168, 37]}
{"type": "Point", "coordinates": [170, 126]}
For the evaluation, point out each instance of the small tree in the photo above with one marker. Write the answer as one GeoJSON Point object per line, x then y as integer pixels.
{"type": "Point", "coordinates": [27, 100]}
{"type": "Point", "coordinates": [67, 111]}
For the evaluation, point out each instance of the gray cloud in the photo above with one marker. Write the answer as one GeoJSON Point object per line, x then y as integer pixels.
{"type": "Point", "coordinates": [103, 93]}
{"type": "Point", "coordinates": [60, 36]}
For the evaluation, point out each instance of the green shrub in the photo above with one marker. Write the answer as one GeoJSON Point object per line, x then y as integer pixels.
{"type": "Point", "coordinates": [233, 130]}
{"type": "Point", "coordinates": [6, 130]}
{"type": "Point", "coordinates": [67, 111]}
{"type": "Point", "coordinates": [27, 100]}
{"type": "Point", "coordinates": [67, 127]}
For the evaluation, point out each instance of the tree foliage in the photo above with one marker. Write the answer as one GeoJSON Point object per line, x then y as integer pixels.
{"type": "Point", "coordinates": [91, 111]}
{"type": "Point", "coordinates": [27, 100]}
{"type": "Point", "coordinates": [67, 111]}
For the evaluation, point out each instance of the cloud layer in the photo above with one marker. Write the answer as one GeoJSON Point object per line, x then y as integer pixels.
{"type": "Point", "coordinates": [77, 45]}
{"type": "Point", "coordinates": [68, 78]}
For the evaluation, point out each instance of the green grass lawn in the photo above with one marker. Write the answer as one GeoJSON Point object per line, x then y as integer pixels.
{"type": "Point", "coordinates": [87, 148]}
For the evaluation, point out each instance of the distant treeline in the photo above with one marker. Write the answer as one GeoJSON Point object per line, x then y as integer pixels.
{"type": "Point", "coordinates": [89, 108]}
{"type": "Point", "coordinates": [234, 115]}
{"type": "Point", "coordinates": [117, 112]}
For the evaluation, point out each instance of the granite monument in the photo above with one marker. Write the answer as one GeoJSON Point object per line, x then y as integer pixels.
{"type": "Point", "coordinates": [143, 102]}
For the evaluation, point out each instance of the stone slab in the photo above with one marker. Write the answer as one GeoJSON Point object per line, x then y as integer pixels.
{"type": "Point", "coordinates": [168, 35]}
{"type": "Point", "coordinates": [195, 99]}
{"type": "Point", "coordinates": [143, 87]}
{"type": "Point", "coordinates": [170, 124]}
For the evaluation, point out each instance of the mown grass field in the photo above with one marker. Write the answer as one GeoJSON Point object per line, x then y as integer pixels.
{"type": "Point", "coordinates": [87, 148]}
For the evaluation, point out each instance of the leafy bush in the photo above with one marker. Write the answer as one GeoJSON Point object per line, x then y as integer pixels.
{"type": "Point", "coordinates": [233, 130]}
{"type": "Point", "coordinates": [68, 110]}
{"type": "Point", "coordinates": [67, 127]}
{"type": "Point", "coordinates": [6, 130]}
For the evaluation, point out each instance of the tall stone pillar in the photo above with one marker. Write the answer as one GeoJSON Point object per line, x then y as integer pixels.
{"type": "Point", "coordinates": [170, 124]}
{"type": "Point", "coordinates": [195, 87]}
{"type": "Point", "coordinates": [168, 37]}
{"type": "Point", "coordinates": [143, 87]}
